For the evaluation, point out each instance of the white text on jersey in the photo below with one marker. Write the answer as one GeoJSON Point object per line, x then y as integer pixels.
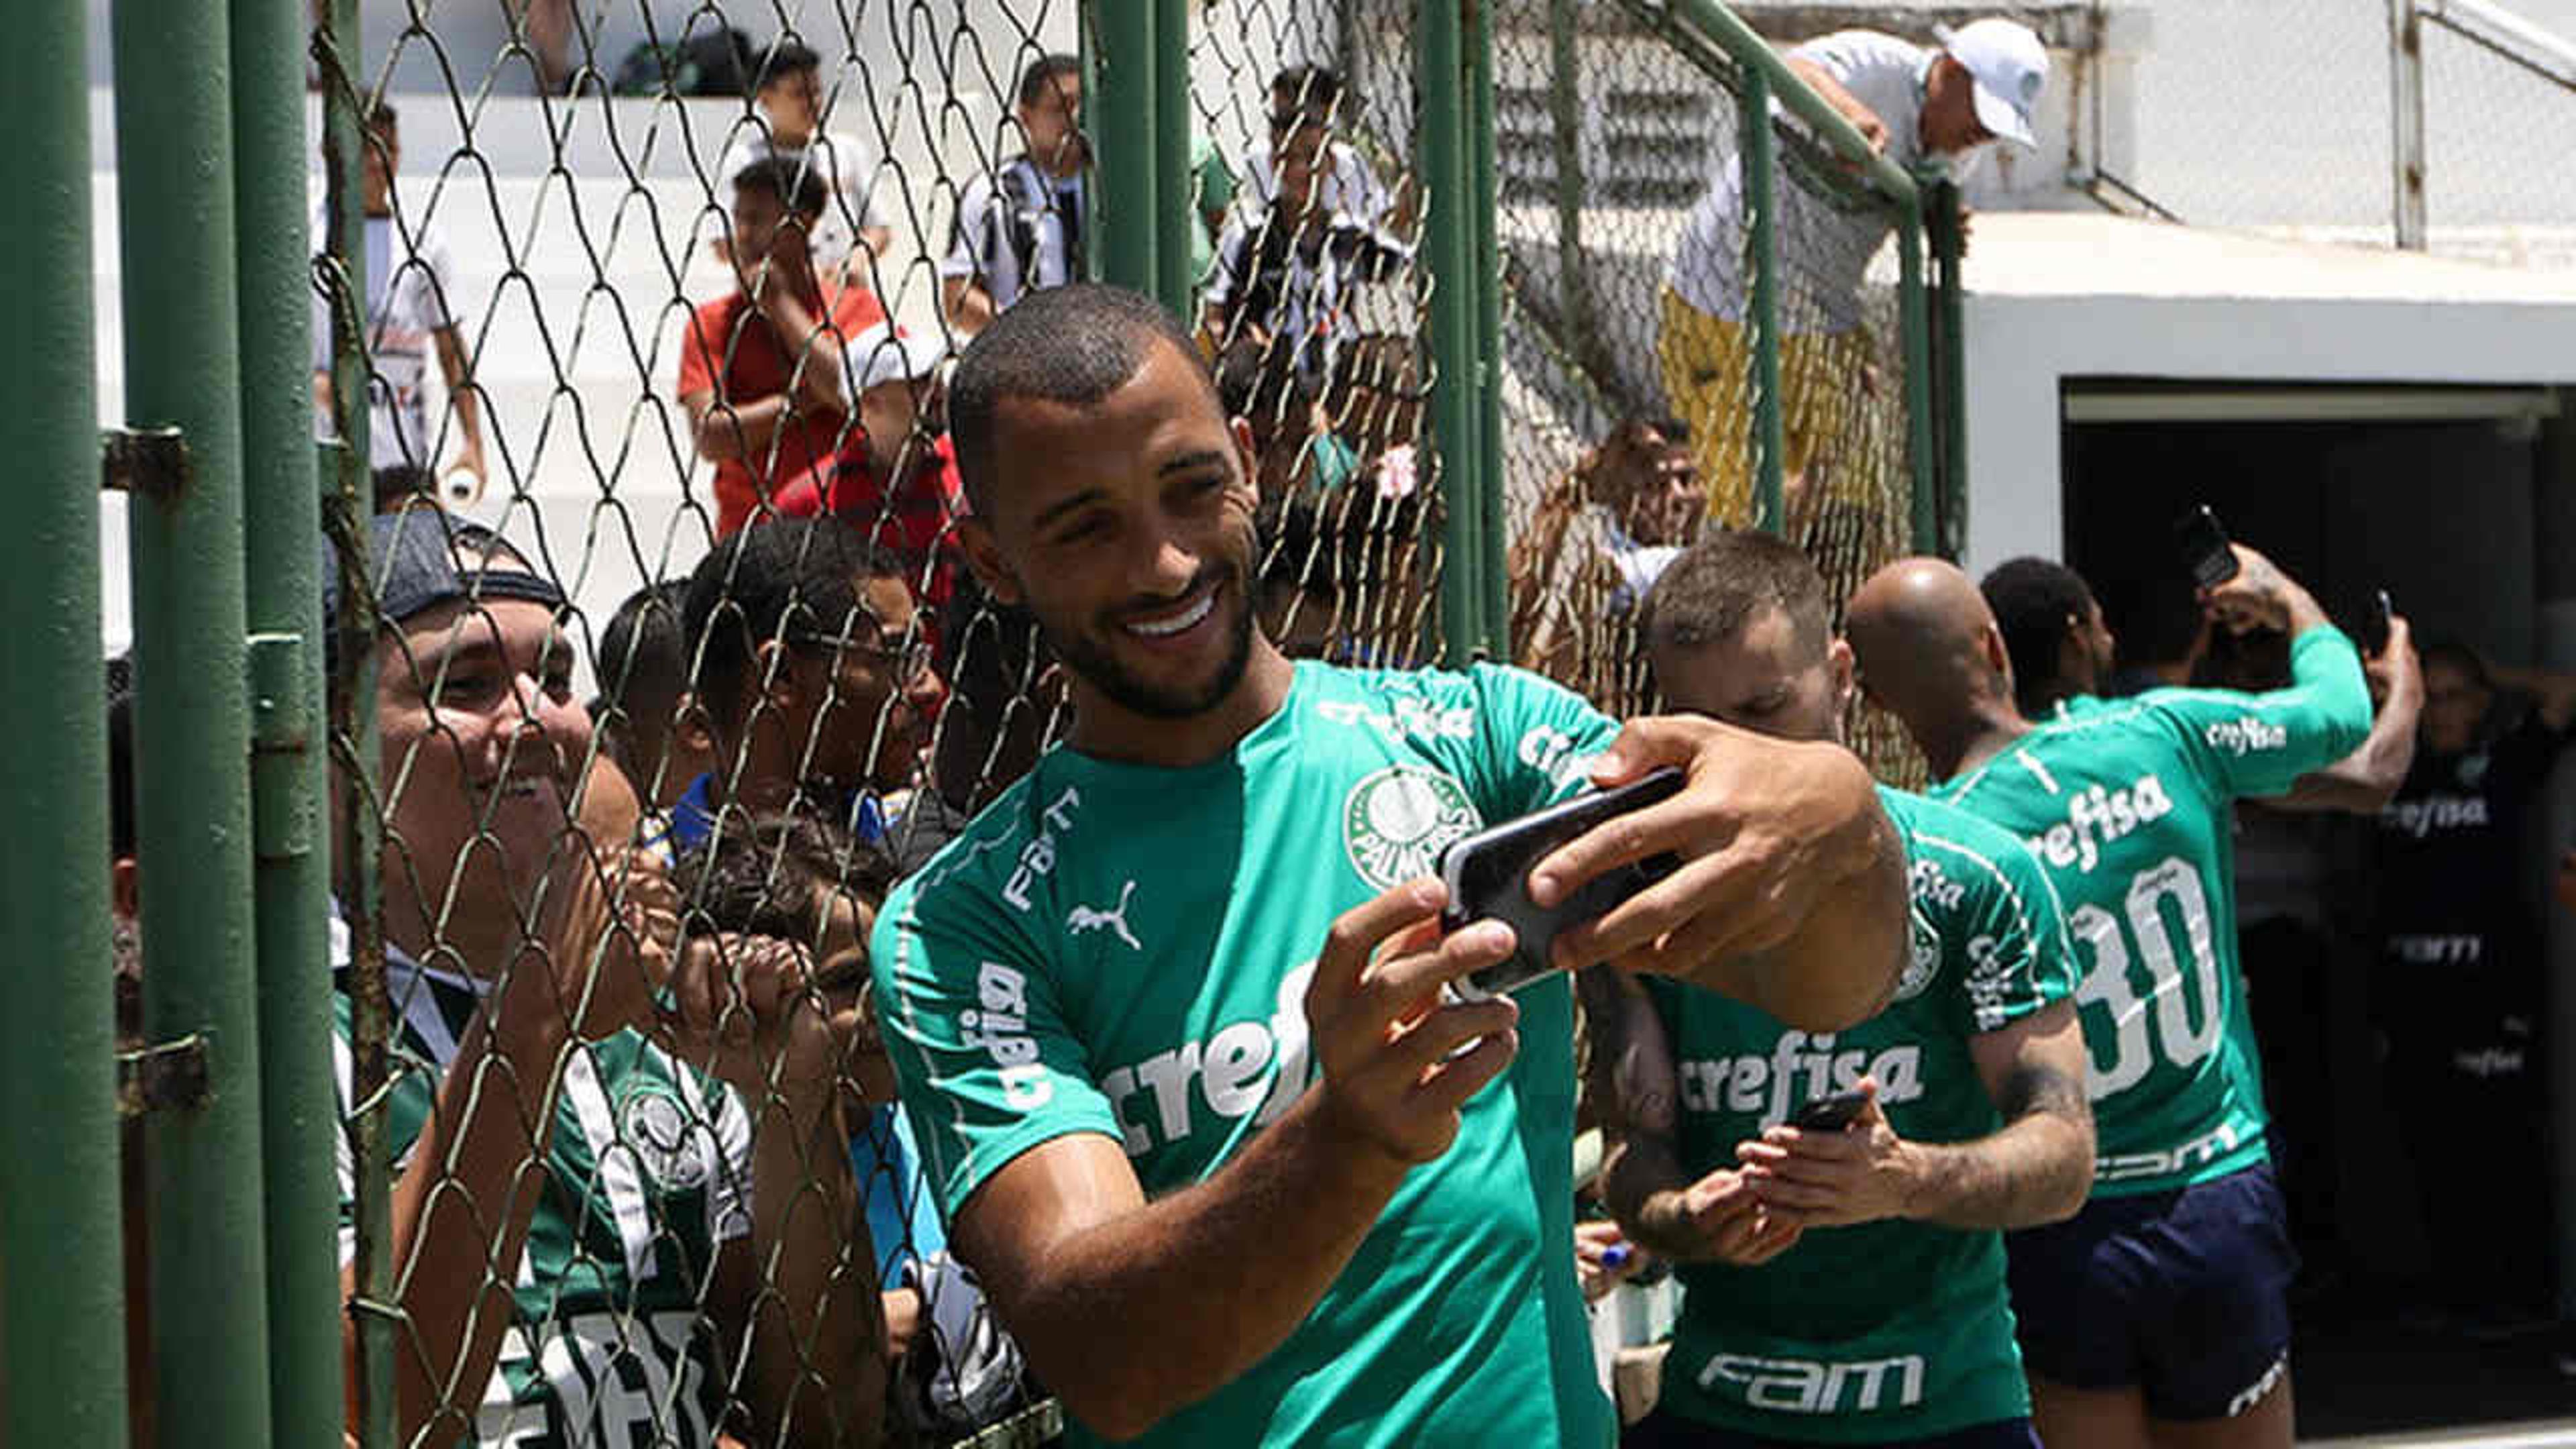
{"type": "Point", "coordinates": [1800, 1066]}
{"type": "Point", "coordinates": [1037, 858]}
{"type": "Point", "coordinates": [1811, 1386]}
{"type": "Point", "coordinates": [1232, 1072]}
{"type": "Point", "coordinates": [1002, 1030]}
{"type": "Point", "coordinates": [2095, 817]}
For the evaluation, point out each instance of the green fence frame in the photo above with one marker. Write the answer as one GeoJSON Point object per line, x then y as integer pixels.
{"type": "Point", "coordinates": [231, 742]}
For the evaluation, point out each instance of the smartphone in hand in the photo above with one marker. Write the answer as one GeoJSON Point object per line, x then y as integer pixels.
{"type": "Point", "coordinates": [2203, 541]}
{"type": "Point", "coordinates": [1829, 1114]}
{"type": "Point", "coordinates": [2374, 633]}
{"type": "Point", "coordinates": [1488, 878]}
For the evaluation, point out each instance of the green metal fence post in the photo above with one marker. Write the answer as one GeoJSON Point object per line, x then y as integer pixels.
{"type": "Point", "coordinates": [1448, 245]}
{"type": "Point", "coordinates": [62, 1317]}
{"type": "Point", "coordinates": [349, 499]}
{"type": "Point", "coordinates": [1565, 105]}
{"type": "Point", "coordinates": [1949, 292]}
{"type": "Point", "coordinates": [289, 769]}
{"type": "Point", "coordinates": [1761, 226]}
{"type": "Point", "coordinates": [1176, 202]}
{"type": "Point", "coordinates": [191, 730]}
{"type": "Point", "coordinates": [1120, 105]}
{"type": "Point", "coordinates": [1485, 238]}
{"type": "Point", "coordinates": [1914, 329]}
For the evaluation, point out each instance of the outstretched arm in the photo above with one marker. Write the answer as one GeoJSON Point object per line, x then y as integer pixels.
{"type": "Point", "coordinates": [2363, 782]}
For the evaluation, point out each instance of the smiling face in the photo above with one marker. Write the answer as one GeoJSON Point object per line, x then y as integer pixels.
{"type": "Point", "coordinates": [481, 735]}
{"type": "Point", "coordinates": [1125, 527]}
{"type": "Point", "coordinates": [1763, 678]}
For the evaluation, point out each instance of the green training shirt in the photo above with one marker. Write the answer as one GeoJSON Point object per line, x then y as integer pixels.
{"type": "Point", "coordinates": [2127, 804]}
{"type": "Point", "coordinates": [1880, 1331]}
{"type": "Point", "coordinates": [1124, 950]}
{"type": "Point", "coordinates": [648, 1173]}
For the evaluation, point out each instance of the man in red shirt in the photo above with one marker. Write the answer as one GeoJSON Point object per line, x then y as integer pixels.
{"type": "Point", "coordinates": [761, 371]}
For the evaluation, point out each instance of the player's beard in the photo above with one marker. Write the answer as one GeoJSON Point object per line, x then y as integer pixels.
{"type": "Point", "coordinates": [1097, 662]}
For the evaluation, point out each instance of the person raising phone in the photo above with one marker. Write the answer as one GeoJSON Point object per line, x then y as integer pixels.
{"type": "Point", "coordinates": [1835, 1203]}
{"type": "Point", "coordinates": [1167, 1015]}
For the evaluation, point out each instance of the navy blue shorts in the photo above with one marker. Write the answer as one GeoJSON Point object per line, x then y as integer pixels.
{"type": "Point", "coordinates": [1660, 1430]}
{"type": "Point", "coordinates": [2183, 1294]}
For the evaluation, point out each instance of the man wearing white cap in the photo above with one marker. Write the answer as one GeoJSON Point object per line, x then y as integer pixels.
{"type": "Point", "coordinates": [1945, 105]}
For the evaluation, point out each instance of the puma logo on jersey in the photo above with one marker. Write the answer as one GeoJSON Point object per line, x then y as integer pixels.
{"type": "Point", "coordinates": [1001, 1029]}
{"type": "Point", "coordinates": [1248, 1069]}
{"type": "Point", "coordinates": [1812, 1386]}
{"type": "Point", "coordinates": [2095, 817]}
{"type": "Point", "coordinates": [1084, 918]}
{"type": "Point", "coordinates": [1800, 1068]}
{"type": "Point", "coordinates": [2242, 737]}
{"type": "Point", "coordinates": [2420, 818]}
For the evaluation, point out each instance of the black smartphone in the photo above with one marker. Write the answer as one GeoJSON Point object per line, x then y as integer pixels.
{"type": "Point", "coordinates": [1488, 878]}
{"type": "Point", "coordinates": [2374, 633]}
{"type": "Point", "coordinates": [1829, 1114]}
{"type": "Point", "coordinates": [2203, 541]}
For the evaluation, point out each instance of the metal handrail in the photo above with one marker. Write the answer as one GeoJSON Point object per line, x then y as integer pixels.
{"type": "Point", "coordinates": [1746, 47]}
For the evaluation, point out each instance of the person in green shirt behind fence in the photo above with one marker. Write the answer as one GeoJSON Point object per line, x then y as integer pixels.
{"type": "Point", "coordinates": [1167, 1016]}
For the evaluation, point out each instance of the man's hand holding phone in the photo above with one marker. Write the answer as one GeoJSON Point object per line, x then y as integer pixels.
{"type": "Point", "coordinates": [1764, 830]}
{"type": "Point", "coordinates": [1720, 1219]}
{"type": "Point", "coordinates": [1397, 1057]}
{"type": "Point", "coordinates": [1823, 1177]}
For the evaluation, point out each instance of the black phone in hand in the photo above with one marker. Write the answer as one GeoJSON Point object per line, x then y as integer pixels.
{"type": "Point", "coordinates": [1488, 879]}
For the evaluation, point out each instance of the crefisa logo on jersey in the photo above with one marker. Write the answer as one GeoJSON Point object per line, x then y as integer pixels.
{"type": "Point", "coordinates": [2095, 817]}
{"type": "Point", "coordinates": [1396, 822]}
{"type": "Point", "coordinates": [656, 1126]}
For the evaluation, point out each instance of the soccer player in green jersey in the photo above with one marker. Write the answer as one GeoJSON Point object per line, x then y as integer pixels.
{"type": "Point", "coordinates": [1168, 1016]}
{"type": "Point", "coordinates": [595, 1239]}
{"type": "Point", "coordinates": [1842, 1287]}
{"type": "Point", "coordinates": [2160, 1314]}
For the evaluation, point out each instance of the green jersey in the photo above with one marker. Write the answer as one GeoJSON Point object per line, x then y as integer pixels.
{"type": "Point", "coordinates": [1123, 950]}
{"type": "Point", "coordinates": [1880, 1331]}
{"type": "Point", "coordinates": [2127, 804]}
{"type": "Point", "coordinates": [648, 1172]}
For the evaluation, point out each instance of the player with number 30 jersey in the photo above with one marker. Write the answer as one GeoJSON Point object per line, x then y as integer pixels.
{"type": "Point", "coordinates": [2127, 806]}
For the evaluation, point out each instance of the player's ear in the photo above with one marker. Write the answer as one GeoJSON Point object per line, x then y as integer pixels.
{"type": "Point", "coordinates": [1990, 644]}
{"type": "Point", "coordinates": [1845, 673]}
{"type": "Point", "coordinates": [984, 558]}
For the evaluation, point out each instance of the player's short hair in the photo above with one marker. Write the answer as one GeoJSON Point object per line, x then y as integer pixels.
{"type": "Point", "coordinates": [774, 876]}
{"type": "Point", "coordinates": [2033, 599]}
{"type": "Point", "coordinates": [786, 178]}
{"type": "Point", "coordinates": [1718, 587]}
{"type": "Point", "coordinates": [794, 580]}
{"type": "Point", "coordinates": [1044, 72]}
{"type": "Point", "coordinates": [1071, 345]}
{"type": "Point", "coordinates": [785, 59]}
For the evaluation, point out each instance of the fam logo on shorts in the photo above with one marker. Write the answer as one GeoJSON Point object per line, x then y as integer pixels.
{"type": "Point", "coordinates": [1396, 822]}
{"type": "Point", "coordinates": [672, 1148]}
{"type": "Point", "coordinates": [1923, 962]}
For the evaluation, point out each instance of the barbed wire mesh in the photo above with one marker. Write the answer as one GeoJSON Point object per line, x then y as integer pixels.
{"type": "Point", "coordinates": [1629, 391]}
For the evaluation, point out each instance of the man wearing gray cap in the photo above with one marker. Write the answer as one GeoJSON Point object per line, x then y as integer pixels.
{"type": "Point", "coordinates": [1943, 105]}
{"type": "Point", "coordinates": [609, 1222]}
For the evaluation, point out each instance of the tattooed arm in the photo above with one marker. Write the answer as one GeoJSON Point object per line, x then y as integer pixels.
{"type": "Point", "coordinates": [2036, 1169]}
{"type": "Point", "coordinates": [1632, 1084]}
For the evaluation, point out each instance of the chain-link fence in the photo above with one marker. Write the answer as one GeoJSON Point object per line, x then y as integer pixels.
{"type": "Point", "coordinates": [1633, 358]}
{"type": "Point", "coordinates": [655, 664]}
{"type": "Point", "coordinates": [2282, 116]}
